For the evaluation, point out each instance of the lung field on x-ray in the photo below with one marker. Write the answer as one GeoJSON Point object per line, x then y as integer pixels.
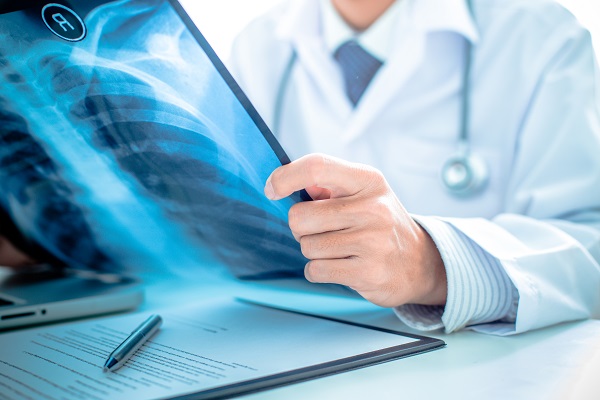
{"type": "Point", "coordinates": [42, 200]}
{"type": "Point", "coordinates": [169, 153]}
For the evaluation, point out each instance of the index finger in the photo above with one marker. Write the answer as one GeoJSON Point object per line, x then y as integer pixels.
{"type": "Point", "coordinates": [341, 178]}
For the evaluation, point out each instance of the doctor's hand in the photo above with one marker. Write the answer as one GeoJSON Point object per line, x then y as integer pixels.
{"type": "Point", "coordinates": [357, 233]}
{"type": "Point", "coordinates": [10, 256]}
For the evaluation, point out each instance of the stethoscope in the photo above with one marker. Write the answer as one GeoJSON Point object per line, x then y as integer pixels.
{"type": "Point", "coordinates": [463, 174]}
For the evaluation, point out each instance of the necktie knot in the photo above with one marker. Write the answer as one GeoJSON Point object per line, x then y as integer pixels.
{"type": "Point", "coordinates": [358, 67]}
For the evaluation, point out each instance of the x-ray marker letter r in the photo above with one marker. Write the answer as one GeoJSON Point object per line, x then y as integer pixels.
{"type": "Point", "coordinates": [62, 21]}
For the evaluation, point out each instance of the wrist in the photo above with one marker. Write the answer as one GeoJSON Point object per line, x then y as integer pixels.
{"type": "Point", "coordinates": [434, 280]}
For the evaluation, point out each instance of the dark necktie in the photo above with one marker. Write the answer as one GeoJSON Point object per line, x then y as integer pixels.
{"type": "Point", "coordinates": [358, 66]}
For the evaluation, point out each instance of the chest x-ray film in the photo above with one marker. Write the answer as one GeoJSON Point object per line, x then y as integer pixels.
{"type": "Point", "coordinates": [124, 143]}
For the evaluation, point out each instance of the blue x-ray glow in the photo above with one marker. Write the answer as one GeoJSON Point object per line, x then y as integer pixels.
{"type": "Point", "coordinates": [128, 149]}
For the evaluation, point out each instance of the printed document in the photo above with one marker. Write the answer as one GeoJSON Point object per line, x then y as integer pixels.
{"type": "Point", "coordinates": [203, 348]}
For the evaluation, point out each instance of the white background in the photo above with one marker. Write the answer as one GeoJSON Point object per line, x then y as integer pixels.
{"type": "Point", "coordinates": [221, 20]}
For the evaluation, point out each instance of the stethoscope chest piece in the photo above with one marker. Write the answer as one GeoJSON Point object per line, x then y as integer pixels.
{"type": "Point", "coordinates": [464, 175]}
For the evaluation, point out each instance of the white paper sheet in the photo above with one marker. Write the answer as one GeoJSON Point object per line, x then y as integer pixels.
{"type": "Point", "coordinates": [211, 345]}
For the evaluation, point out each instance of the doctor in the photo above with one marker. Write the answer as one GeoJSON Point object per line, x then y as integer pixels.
{"type": "Point", "coordinates": [461, 181]}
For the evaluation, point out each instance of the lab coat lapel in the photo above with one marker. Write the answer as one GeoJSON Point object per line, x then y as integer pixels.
{"type": "Point", "coordinates": [323, 70]}
{"type": "Point", "coordinates": [405, 59]}
{"type": "Point", "coordinates": [301, 26]}
{"type": "Point", "coordinates": [408, 54]}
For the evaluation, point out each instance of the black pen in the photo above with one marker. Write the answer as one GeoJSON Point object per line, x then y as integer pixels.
{"type": "Point", "coordinates": [138, 337]}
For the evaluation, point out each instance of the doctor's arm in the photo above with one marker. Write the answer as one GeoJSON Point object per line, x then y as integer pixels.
{"type": "Point", "coordinates": [358, 234]}
{"type": "Point", "coordinates": [534, 265]}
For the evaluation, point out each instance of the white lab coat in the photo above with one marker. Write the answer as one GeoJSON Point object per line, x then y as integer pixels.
{"type": "Point", "coordinates": [535, 119]}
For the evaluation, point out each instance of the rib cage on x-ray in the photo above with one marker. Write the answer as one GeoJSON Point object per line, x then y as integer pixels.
{"type": "Point", "coordinates": [154, 144]}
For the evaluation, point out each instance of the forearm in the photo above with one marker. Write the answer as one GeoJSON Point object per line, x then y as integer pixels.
{"type": "Point", "coordinates": [515, 271]}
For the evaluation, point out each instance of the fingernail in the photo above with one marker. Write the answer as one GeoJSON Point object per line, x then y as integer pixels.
{"type": "Point", "coordinates": [269, 191]}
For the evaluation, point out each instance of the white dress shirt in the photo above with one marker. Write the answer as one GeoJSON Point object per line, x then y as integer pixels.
{"type": "Point", "coordinates": [377, 40]}
{"type": "Point", "coordinates": [525, 252]}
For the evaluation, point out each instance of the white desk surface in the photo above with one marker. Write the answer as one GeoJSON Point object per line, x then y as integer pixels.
{"type": "Point", "coordinates": [560, 362]}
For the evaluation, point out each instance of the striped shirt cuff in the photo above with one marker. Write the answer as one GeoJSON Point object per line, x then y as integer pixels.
{"type": "Point", "coordinates": [479, 290]}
